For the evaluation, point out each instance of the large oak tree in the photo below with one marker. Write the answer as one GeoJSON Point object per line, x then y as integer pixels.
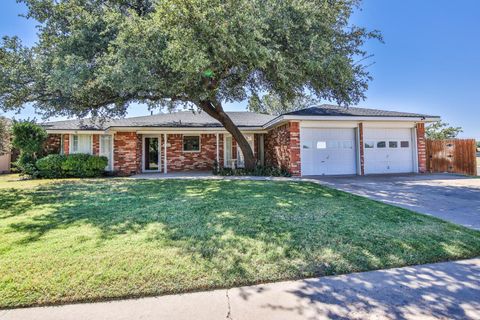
{"type": "Point", "coordinates": [95, 57]}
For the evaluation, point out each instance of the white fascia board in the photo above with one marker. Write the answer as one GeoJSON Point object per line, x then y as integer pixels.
{"type": "Point", "coordinates": [285, 118]}
{"type": "Point", "coordinates": [157, 130]}
{"type": "Point", "coordinates": [52, 131]}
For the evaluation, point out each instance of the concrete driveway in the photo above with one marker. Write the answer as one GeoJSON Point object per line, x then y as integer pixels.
{"type": "Point", "coordinates": [449, 197]}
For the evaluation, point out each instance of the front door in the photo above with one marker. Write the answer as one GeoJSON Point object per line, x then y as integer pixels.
{"type": "Point", "coordinates": [151, 154]}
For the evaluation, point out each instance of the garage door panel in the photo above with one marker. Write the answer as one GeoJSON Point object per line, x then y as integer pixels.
{"type": "Point", "coordinates": [327, 151]}
{"type": "Point", "coordinates": [388, 150]}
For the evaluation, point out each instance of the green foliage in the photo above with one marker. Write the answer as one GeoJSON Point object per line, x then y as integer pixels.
{"type": "Point", "coordinates": [97, 57]}
{"type": "Point", "coordinates": [4, 135]}
{"type": "Point", "coordinates": [83, 165]}
{"type": "Point", "coordinates": [263, 171]}
{"type": "Point", "coordinates": [26, 165]}
{"type": "Point", "coordinates": [274, 104]}
{"type": "Point", "coordinates": [28, 137]}
{"type": "Point", "coordinates": [441, 131]}
{"type": "Point", "coordinates": [51, 166]}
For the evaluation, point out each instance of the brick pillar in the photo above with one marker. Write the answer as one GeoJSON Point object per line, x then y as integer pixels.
{"type": "Point", "coordinates": [294, 147]}
{"type": "Point", "coordinates": [127, 153]}
{"type": "Point", "coordinates": [66, 144]}
{"type": "Point", "coordinates": [361, 148]}
{"type": "Point", "coordinates": [421, 148]}
{"type": "Point", "coordinates": [96, 144]}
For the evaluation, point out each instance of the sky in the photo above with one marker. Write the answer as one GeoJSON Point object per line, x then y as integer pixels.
{"type": "Point", "coordinates": [429, 62]}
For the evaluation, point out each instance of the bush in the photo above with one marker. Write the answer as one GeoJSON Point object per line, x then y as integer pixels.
{"type": "Point", "coordinates": [28, 138]}
{"type": "Point", "coordinates": [25, 164]}
{"type": "Point", "coordinates": [265, 171]}
{"type": "Point", "coordinates": [73, 165]}
{"type": "Point", "coordinates": [51, 166]}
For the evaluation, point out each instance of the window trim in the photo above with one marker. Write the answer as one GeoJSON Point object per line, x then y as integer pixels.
{"type": "Point", "coordinates": [70, 143]}
{"type": "Point", "coordinates": [199, 136]}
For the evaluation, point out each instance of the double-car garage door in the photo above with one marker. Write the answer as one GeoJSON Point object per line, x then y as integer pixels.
{"type": "Point", "coordinates": [333, 151]}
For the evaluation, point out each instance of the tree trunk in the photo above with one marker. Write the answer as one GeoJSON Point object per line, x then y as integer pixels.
{"type": "Point", "coordinates": [215, 110]}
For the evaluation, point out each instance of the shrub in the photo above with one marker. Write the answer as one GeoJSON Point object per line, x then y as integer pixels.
{"type": "Point", "coordinates": [73, 165]}
{"type": "Point", "coordinates": [26, 165]}
{"type": "Point", "coordinates": [51, 166]}
{"type": "Point", "coordinates": [266, 171]}
{"type": "Point", "coordinates": [84, 165]}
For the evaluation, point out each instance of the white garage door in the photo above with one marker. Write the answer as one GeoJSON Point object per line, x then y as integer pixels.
{"type": "Point", "coordinates": [388, 150]}
{"type": "Point", "coordinates": [327, 151]}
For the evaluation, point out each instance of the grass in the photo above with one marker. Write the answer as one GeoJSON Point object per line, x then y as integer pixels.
{"type": "Point", "coordinates": [87, 240]}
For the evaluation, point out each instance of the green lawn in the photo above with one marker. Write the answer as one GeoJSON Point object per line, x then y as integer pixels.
{"type": "Point", "coordinates": [81, 240]}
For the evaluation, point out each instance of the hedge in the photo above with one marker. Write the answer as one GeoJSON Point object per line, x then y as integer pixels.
{"type": "Point", "coordinates": [73, 165]}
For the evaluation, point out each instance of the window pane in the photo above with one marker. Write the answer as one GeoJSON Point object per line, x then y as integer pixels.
{"type": "Point", "coordinates": [369, 145]}
{"type": "Point", "coordinates": [307, 145]}
{"type": "Point", "coordinates": [393, 144]}
{"type": "Point", "coordinates": [321, 145]}
{"type": "Point", "coordinates": [75, 144]}
{"type": "Point", "coordinates": [381, 144]}
{"type": "Point", "coordinates": [404, 144]}
{"type": "Point", "coordinates": [191, 143]}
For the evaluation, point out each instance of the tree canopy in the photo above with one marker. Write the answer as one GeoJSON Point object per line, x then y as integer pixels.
{"type": "Point", "coordinates": [95, 57]}
{"type": "Point", "coordinates": [441, 131]}
{"type": "Point", "coordinates": [274, 105]}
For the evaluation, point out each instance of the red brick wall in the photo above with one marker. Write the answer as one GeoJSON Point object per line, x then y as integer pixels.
{"type": "Point", "coordinates": [178, 160]}
{"type": "Point", "coordinates": [362, 149]}
{"type": "Point", "coordinates": [66, 144]}
{"type": "Point", "coordinates": [127, 153]}
{"type": "Point", "coordinates": [52, 144]}
{"type": "Point", "coordinates": [96, 144]}
{"type": "Point", "coordinates": [421, 148]}
{"type": "Point", "coordinates": [282, 147]}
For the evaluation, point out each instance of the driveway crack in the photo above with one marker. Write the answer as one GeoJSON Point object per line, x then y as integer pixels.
{"type": "Point", "coordinates": [229, 309]}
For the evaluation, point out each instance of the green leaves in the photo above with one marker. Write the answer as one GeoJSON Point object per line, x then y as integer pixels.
{"type": "Point", "coordinates": [442, 130]}
{"type": "Point", "coordinates": [96, 57]}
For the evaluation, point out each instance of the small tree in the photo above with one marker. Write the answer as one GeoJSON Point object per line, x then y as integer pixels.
{"type": "Point", "coordinates": [28, 138]}
{"type": "Point", "coordinates": [441, 131]}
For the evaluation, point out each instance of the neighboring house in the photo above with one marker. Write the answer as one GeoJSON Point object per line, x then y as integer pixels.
{"type": "Point", "coordinates": [6, 155]}
{"type": "Point", "coordinates": [323, 140]}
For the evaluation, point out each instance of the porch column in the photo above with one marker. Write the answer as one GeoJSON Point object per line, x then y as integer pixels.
{"type": "Point", "coordinates": [164, 153]}
{"type": "Point", "coordinates": [218, 152]}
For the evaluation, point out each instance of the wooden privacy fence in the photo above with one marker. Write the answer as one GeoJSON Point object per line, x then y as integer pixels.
{"type": "Point", "coordinates": [454, 156]}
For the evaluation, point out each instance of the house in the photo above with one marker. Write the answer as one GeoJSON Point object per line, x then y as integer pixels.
{"type": "Point", "coordinates": [322, 140]}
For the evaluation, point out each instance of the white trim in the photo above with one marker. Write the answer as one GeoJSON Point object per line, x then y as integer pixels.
{"type": "Point", "coordinates": [159, 164]}
{"type": "Point", "coordinates": [200, 130]}
{"type": "Point", "coordinates": [49, 131]}
{"type": "Point", "coordinates": [165, 153]}
{"type": "Point", "coordinates": [284, 118]}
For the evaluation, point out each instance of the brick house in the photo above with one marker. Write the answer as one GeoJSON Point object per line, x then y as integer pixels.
{"type": "Point", "coordinates": [323, 140]}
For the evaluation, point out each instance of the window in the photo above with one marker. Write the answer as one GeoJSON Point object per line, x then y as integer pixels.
{"type": "Point", "coordinates": [393, 144]}
{"type": "Point", "coordinates": [321, 144]}
{"type": "Point", "coordinates": [381, 144]}
{"type": "Point", "coordinates": [191, 143]}
{"type": "Point", "coordinates": [81, 143]}
{"type": "Point", "coordinates": [332, 144]}
{"type": "Point", "coordinates": [404, 144]}
{"type": "Point", "coordinates": [369, 145]}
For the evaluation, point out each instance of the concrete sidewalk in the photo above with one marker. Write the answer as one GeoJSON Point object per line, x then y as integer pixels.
{"type": "Point", "coordinates": [448, 290]}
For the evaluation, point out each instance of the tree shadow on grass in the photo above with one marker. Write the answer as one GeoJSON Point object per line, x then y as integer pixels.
{"type": "Point", "coordinates": [300, 229]}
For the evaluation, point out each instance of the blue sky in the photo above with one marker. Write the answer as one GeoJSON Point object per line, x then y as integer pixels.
{"type": "Point", "coordinates": [429, 63]}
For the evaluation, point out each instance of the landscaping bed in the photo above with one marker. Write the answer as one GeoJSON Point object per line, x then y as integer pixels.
{"type": "Point", "coordinates": [87, 240]}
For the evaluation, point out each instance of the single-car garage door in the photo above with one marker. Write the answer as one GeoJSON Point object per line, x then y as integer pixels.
{"type": "Point", "coordinates": [388, 150]}
{"type": "Point", "coordinates": [328, 151]}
